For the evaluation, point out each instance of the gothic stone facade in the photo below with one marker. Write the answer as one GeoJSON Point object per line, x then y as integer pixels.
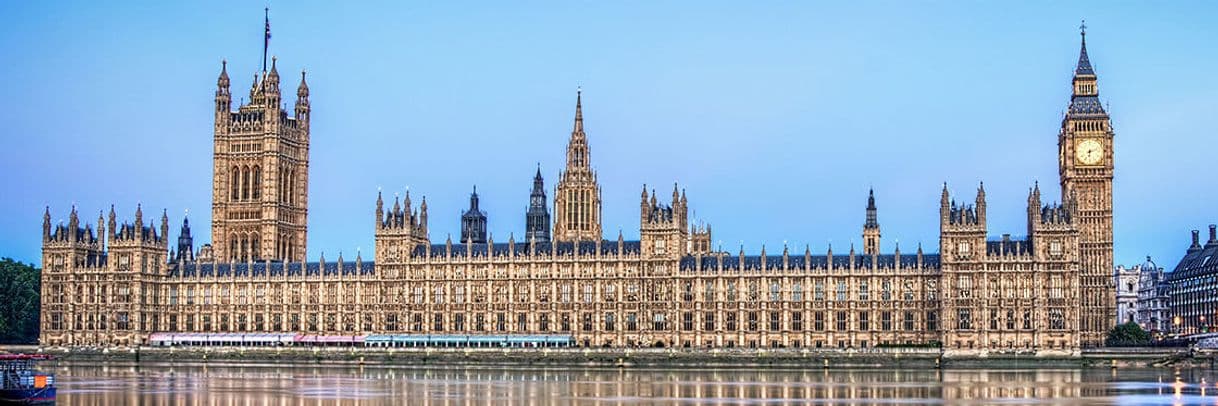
{"type": "Point", "coordinates": [977, 296]}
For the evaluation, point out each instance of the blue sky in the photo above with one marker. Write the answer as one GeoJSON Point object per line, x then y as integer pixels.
{"type": "Point", "coordinates": [776, 117]}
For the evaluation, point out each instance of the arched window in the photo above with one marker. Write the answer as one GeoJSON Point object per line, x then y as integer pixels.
{"type": "Point", "coordinates": [234, 178]}
{"type": "Point", "coordinates": [283, 185]}
{"type": "Point", "coordinates": [245, 183]}
{"type": "Point", "coordinates": [288, 188]}
{"type": "Point", "coordinates": [257, 182]}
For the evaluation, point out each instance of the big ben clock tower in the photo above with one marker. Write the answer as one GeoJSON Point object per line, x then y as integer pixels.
{"type": "Point", "coordinates": [1085, 163]}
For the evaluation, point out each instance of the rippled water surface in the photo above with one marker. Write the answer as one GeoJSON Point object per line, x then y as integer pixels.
{"type": "Point", "coordinates": [312, 384]}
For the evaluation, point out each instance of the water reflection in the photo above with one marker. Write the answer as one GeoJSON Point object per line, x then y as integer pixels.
{"type": "Point", "coordinates": [259, 384]}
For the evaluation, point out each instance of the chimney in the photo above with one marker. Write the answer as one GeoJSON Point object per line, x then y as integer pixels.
{"type": "Point", "coordinates": [1196, 242]}
{"type": "Point", "coordinates": [1213, 235]}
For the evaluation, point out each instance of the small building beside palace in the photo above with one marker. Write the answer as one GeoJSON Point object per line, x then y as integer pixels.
{"type": "Point", "coordinates": [1192, 287]}
{"type": "Point", "coordinates": [1142, 297]}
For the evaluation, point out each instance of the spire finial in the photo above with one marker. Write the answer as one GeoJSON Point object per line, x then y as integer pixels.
{"type": "Point", "coordinates": [1082, 29]}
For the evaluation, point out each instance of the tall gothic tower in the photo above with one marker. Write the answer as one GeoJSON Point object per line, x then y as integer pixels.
{"type": "Point", "coordinates": [1086, 166]}
{"type": "Point", "coordinates": [577, 198]}
{"type": "Point", "coordinates": [260, 173]}
{"type": "Point", "coordinates": [537, 218]}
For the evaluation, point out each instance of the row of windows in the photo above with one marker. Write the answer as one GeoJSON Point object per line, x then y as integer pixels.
{"type": "Point", "coordinates": [1010, 287]}
{"type": "Point", "coordinates": [964, 320]}
{"type": "Point", "coordinates": [245, 184]}
{"type": "Point", "coordinates": [754, 321]}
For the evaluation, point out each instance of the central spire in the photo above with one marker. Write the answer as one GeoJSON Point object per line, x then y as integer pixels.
{"type": "Point", "coordinates": [577, 203]}
{"type": "Point", "coordinates": [579, 111]}
{"type": "Point", "coordinates": [578, 157]}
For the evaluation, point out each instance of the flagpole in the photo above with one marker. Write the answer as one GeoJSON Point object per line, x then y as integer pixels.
{"type": "Point", "coordinates": [266, 38]}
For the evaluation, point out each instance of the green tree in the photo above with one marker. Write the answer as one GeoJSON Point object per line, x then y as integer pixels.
{"type": "Point", "coordinates": [1127, 335]}
{"type": "Point", "coordinates": [20, 302]}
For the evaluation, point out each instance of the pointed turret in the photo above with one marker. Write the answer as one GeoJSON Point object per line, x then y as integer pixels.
{"type": "Point", "coordinates": [981, 203]}
{"type": "Point", "coordinates": [73, 224]}
{"type": "Point", "coordinates": [944, 205]}
{"type": "Point", "coordinates": [380, 210]}
{"type": "Point", "coordinates": [111, 225]}
{"type": "Point", "coordinates": [46, 224]}
{"type": "Point", "coordinates": [271, 84]}
{"type": "Point", "coordinates": [302, 91]}
{"type": "Point", "coordinates": [224, 98]}
{"type": "Point", "coordinates": [302, 99]}
{"type": "Point", "coordinates": [185, 242]}
{"type": "Point", "coordinates": [644, 206]}
{"type": "Point", "coordinates": [164, 228]}
{"type": "Point", "coordinates": [101, 229]}
{"type": "Point", "coordinates": [473, 222]}
{"type": "Point", "coordinates": [406, 204]}
{"type": "Point", "coordinates": [222, 82]}
{"type": "Point", "coordinates": [423, 217]}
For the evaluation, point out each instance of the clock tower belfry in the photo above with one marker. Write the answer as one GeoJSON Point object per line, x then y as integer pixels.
{"type": "Point", "coordinates": [1085, 163]}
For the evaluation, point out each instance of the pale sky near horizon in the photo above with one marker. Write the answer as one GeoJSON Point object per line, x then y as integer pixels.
{"type": "Point", "coordinates": [775, 117]}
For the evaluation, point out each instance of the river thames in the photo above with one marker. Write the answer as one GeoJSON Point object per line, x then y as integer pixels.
{"type": "Point", "coordinates": [312, 384]}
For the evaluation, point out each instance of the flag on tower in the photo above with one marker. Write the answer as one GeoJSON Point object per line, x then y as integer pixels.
{"type": "Point", "coordinates": [266, 42]}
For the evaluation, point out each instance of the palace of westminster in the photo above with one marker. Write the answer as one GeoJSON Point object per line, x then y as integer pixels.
{"type": "Point", "coordinates": [122, 282]}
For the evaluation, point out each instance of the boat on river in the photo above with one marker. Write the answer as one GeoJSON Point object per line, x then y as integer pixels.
{"type": "Point", "coordinates": [20, 384]}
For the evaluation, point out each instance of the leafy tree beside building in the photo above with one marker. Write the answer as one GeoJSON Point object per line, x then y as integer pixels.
{"type": "Point", "coordinates": [1127, 335]}
{"type": "Point", "coordinates": [19, 302]}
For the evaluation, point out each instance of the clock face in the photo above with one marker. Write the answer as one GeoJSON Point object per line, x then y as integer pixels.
{"type": "Point", "coordinates": [1089, 152]}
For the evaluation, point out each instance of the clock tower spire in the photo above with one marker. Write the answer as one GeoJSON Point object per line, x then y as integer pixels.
{"type": "Point", "coordinates": [1086, 168]}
